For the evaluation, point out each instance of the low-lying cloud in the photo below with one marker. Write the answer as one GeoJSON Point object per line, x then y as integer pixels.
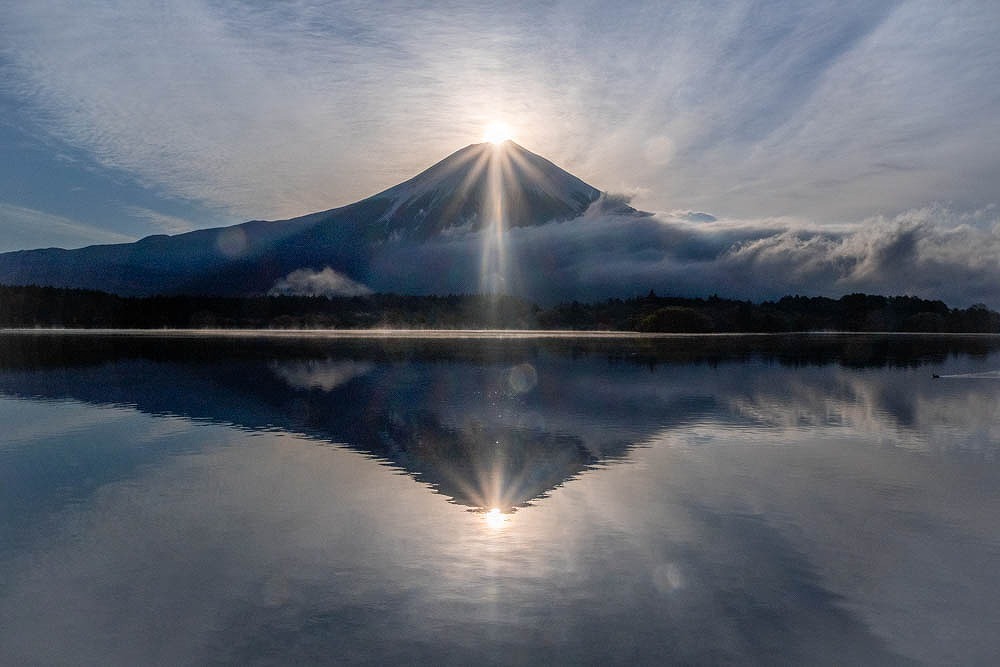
{"type": "Point", "coordinates": [306, 282]}
{"type": "Point", "coordinates": [931, 252]}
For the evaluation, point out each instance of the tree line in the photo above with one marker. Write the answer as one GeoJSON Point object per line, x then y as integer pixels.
{"type": "Point", "coordinates": [852, 312]}
{"type": "Point", "coordinates": [32, 306]}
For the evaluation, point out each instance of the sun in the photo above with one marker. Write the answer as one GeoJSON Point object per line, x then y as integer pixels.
{"type": "Point", "coordinates": [497, 133]}
{"type": "Point", "coordinates": [495, 518]}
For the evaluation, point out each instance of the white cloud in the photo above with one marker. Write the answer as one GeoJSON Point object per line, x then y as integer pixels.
{"type": "Point", "coordinates": [270, 111]}
{"type": "Point", "coordinates": [306, 282]}
{"type": "Point", "coordinates": [931, 252]}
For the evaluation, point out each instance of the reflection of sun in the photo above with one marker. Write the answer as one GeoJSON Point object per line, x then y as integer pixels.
{"type": "Point", "coordinates": [495, 518]}
{"type": "Point", "coordinates": [497, 133]}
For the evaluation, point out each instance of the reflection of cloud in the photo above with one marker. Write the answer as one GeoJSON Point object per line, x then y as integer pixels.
{"type": "Point", "coordinates": [326, 375]}
{"type": "Point", "coordinates": [40, 423]}
{"type": "Point", "coordinates": [306, 282]}
{"type": "Point", "coordinates": [898, 411]}
{"type": "Point", "coordinates": [172, 569]}
{"type": "Point", "coordinates": [887, 528]}
{"type": "Point", "coordinates": [252, 545]}
{"type": "Point", "coordinates": [775, 514]}
{"type": "Point", "coordinates": [932, 253]}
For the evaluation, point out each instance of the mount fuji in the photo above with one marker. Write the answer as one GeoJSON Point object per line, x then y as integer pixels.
{"type": "Point", "coordinates": [462, 206]}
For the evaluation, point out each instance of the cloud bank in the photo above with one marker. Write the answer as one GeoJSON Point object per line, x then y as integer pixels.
{"type": "Point", "coordinates": [931, 252]}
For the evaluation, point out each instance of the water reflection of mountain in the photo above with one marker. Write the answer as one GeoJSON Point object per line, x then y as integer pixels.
{"type": "Point", "coordinates": [465, 429]}
{"type": "Point", "coordinates": [484, 422]}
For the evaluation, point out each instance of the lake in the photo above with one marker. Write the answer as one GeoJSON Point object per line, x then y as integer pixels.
{"type": "Point", "coordinates": [254, 499]}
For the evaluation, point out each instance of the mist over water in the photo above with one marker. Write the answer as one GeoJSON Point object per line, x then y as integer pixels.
{"type": "Point", "coordinates": [752, 500]}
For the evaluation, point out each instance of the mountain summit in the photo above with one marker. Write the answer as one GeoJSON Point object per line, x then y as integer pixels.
{"type": "Point", "coordinates": [480, 183]}
{"type": "Point", "coordinates": [478, 189]}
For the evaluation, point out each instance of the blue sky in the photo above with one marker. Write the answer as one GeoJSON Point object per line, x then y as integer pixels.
{"type": "Point", "coordinates": [120, 119]}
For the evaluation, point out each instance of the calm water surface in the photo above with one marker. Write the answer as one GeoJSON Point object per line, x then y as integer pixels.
{"type": "Point", "coordinates": [760, 500]}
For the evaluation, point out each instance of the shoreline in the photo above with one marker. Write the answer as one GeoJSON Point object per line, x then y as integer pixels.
{"type": "Point", "coordinates": [444, 334]}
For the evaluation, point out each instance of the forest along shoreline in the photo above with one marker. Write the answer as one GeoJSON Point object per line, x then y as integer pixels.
{"type": "Point", "coordinates": [38, 307]}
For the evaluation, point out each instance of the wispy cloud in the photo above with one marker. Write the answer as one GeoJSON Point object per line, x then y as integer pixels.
{"type": "Point", "coordinates": [19, 226]}
{"type": "Point", "coordinates": [834, 113]}
{"type": "Point", "coordinates": [169, 224]}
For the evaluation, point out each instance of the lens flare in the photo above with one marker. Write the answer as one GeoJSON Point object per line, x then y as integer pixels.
{"type": "Point", "coordinates": [493, 262]}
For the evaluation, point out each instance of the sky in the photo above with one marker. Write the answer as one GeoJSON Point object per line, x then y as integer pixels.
{"type": "Point", "coordinates": [121, 119]}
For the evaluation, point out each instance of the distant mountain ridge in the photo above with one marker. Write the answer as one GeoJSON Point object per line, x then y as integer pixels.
{"type": "Point", "coordinates": [467, 192]}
